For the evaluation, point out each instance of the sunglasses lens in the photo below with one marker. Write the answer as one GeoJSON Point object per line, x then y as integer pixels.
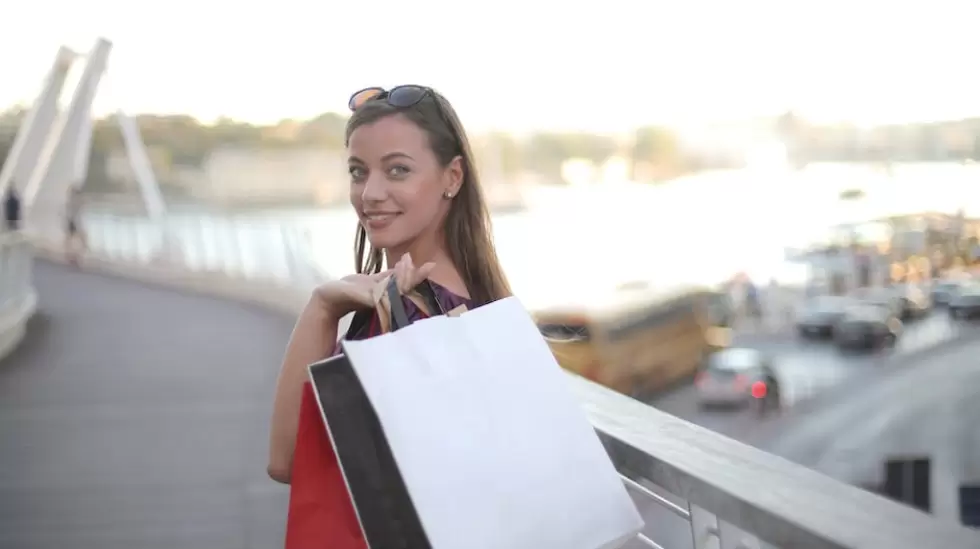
{"type": "Point", "coordinates": [362, 97]}
{"type": "Point", "coordinates": [406, 96]}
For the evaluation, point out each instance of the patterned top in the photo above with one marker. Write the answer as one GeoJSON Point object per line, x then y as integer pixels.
{"type": "Point", "coordinates": [447, 299]}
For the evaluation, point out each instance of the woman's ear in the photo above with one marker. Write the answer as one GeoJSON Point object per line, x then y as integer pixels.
{"type": "Point", "coordinates": [454, 174]}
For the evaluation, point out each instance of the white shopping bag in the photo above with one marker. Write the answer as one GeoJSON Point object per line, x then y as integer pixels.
{"type": "Point", "coordinates": [494, 450]}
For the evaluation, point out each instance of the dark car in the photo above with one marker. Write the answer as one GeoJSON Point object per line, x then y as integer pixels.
{"type": "Point", "coordinates": [737, 377]}
{"type": "Point", "coordinates": [820, 314]}
{"type": "Point", "coordinates": [913, 301]}
{"type": "Point", "coordinates": [888, 297]}
{"type": "Point", "coordinates": [868, 326]}
{"type": "Point", "coordinates": [945, 291]}
{"type": "Point", "coordinates": [966, 303]}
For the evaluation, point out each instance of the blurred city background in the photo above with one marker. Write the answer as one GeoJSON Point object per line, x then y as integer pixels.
{"type": "Point", "coordinates": [761, 218]}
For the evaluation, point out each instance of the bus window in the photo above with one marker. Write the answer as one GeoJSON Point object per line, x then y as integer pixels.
{"type": "Point", "coordinates": [657, 316]}
{"type": "Point", "coordinates": [566, 332]}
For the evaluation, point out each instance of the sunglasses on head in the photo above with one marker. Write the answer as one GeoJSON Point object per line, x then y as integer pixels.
{"type": "Point", "coordinates": [402, 97]}
{"type": "Point", "coordinates": [399, 96]}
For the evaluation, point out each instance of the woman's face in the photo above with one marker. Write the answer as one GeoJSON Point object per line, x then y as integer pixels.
{"type": "Point", "coordinates": [397, 185]}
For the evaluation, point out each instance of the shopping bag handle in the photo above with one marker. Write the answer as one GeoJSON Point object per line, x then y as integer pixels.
{"type": "Point", "coordinates": [399, 317]}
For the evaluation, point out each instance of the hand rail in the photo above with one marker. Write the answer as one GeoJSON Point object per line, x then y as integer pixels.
{"type": "Point", "coordinates": [239, 247]}
{"type": "Point", "coordinates": [18, 300]}
{"type": "Point", "coordinates": [736, 496]}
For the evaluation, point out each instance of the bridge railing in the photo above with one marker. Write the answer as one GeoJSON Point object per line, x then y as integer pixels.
{"type": "Point", "coordinates": [700, 490]}
{"type": "Point", "coordinates": [18, 299]}
{"type": "Point", "coordinates": [239, 248]}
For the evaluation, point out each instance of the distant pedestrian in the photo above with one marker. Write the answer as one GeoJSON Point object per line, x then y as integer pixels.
{"type": "Point", "coordinates": [75, 241]}
{"type": "Point", "coordinates": [753, 303]}
{"type": "Point", "coordinates": [11, 209]}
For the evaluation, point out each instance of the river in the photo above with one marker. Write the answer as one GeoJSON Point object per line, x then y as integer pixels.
{"type": "Point", "coordinates": [580, 243]}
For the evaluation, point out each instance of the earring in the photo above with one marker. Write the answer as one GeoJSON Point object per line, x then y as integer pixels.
{"type": "Point", "coordinates": [447, 195]}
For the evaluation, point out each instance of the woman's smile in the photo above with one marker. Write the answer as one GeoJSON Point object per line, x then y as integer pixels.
{"type": "Point", "coordinates": [379, 220]}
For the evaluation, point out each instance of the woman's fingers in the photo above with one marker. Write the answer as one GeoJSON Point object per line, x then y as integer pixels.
{"type": "Point", "coordinates": [378, 277]}
{"type": "Point", "coordinates": [407, 276]}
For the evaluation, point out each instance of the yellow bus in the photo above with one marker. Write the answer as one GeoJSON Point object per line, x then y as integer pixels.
{"type": "Point", "coordinates": [639, 340]}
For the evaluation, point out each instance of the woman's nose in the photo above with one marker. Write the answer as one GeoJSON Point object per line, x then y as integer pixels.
{"type": "Point", "coordinates": [374, 189]}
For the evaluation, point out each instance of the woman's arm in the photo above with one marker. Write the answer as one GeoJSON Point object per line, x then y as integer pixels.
{"type": "Point", "coordinates": [313, 339]}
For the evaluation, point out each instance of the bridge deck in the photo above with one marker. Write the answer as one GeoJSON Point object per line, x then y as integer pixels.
{"type": "Point", "coordinates": [134, 416]}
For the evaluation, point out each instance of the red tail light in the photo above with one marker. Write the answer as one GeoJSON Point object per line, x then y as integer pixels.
{"type": "Point", "coordinates": [759, 389]}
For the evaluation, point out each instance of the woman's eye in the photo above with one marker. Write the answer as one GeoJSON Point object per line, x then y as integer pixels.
{"type": "Point", "coordinates": [356, 173]}
{"type": "Point", "coordinates": [397, 171]}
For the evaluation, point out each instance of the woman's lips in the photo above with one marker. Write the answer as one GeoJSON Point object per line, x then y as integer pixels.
{"type": "Point", "coordinates": [379, 220]}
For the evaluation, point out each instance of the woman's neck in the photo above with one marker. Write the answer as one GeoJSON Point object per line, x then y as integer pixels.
{"type": "Point", "coordinates": [444, 273]}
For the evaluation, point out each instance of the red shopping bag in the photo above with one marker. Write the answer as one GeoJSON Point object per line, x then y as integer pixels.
{"type": "Point", "coordinates": [321, 511]}
{"type": "Point", "coordinates": [321, 514]}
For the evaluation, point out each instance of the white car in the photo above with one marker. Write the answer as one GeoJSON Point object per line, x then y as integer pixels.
{"type": "Point", "coordinates": [736, 377]}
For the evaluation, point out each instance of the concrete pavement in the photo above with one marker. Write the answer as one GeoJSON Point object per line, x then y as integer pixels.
{"type": "Point", "coordinates": [133, 416]}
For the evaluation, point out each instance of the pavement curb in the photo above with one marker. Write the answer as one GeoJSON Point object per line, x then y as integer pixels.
{"type": "Point", "coordinates": [13, 324]}
{"type": "Point", "coordinates": [15, 311]}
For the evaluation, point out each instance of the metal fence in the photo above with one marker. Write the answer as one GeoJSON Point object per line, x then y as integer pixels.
{"type": "Point", "coordinates": [700, 490]}
{"type": "Point", "coordinates": [237, 247]}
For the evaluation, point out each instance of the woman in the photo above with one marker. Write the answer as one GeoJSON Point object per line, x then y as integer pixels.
{"type": "Point", "coordinates": [421, 213]}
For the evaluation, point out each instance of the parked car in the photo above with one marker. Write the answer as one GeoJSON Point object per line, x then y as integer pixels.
{"type": "Point", "coordinates": [966, 303]}
{"type": "Point", "coordinates": [819, 315]}
{"type": "Point", "coordinates": [738, 376]}
{"type": "Point", "coordinates": [868, 325]}
{"type": "Point", "coordinates": [887, 297]}
{"type": "Point", "coordinates": [915, 302]}
{"type": "Point", "coordinates": [944, 291]}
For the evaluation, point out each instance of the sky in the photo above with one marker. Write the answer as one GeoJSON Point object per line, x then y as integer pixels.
{"type": "Point", "coordinates": [516, 65]}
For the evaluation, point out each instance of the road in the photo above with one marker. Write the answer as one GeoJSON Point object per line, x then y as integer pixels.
{"type": "Point", "coordinates": [806, 370]}
{"type": "Point", "coordinates": [922, 398]}
{"type": "Point", "coordinates": [924, 411]}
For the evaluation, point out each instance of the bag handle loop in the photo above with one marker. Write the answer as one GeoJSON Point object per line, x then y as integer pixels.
{"type": "Point", "coordinates": [399, 317]}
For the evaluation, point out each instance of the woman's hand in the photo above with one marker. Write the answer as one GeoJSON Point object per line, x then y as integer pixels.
{"type": "Point", "coordinates": [362, 291]}
{"type": "Point", "coordinates": [351, 293]}
{"type": "Point", "coordinates": [407, 276]}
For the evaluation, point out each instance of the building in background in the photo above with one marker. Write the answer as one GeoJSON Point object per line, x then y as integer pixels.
{"type": "Point", "coordinates": [247, 176]}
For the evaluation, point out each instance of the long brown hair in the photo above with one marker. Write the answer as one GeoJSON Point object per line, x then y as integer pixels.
{"type": "Point", "coordinates": [467, 230]}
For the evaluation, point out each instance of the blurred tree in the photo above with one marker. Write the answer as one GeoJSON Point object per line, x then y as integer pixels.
{"type": "Point", "coordinates": [851, 194]}
{"type": "Point", "coordinates": [187, 142]}
{"type": "Point", "coordinates": [5, 145]}
{"type": "Point", "coordinates": [507, 152]}
{"type": "Point", "coordinates": [10, 119]}
{"type": "Point", "coordinates": [659, 149]}
{"type": "Point", "coordinates": [545, 153]}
